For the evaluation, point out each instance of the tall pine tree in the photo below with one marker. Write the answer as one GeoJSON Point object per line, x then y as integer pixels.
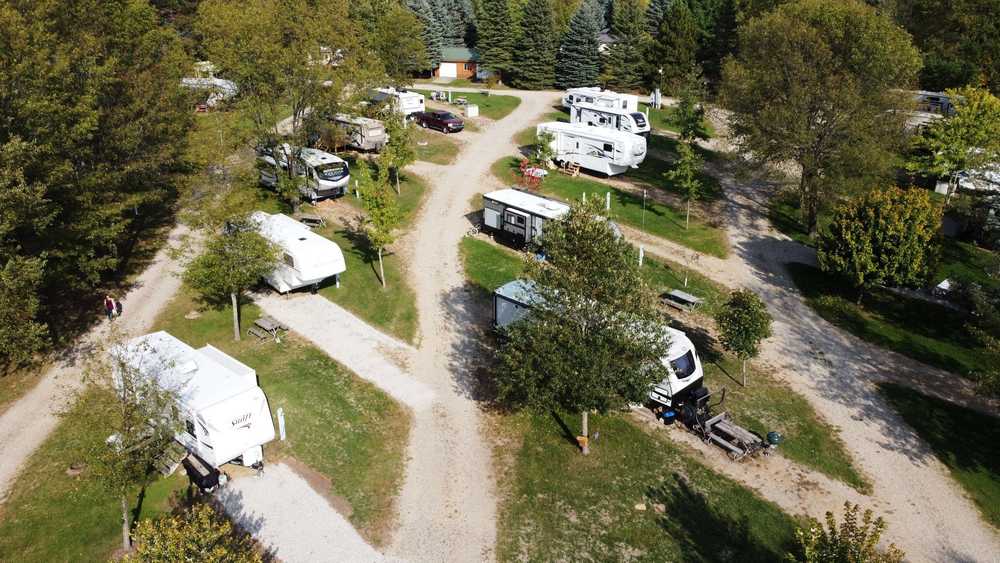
{"type": "Point", "coordinates": [625, 62]}
{"type": "Point", "coordinates": [495, 36]}
{"type": "Point", "coordinates": [674, 49]}
{"type": "Point", "coordinates": [578, 59]}
{"type": "Point", "coordinates": [655, 12]}
{"type": "Point", "coordinates": [431, 34]}
{"type": "Point", "coordinates": [534, 57]}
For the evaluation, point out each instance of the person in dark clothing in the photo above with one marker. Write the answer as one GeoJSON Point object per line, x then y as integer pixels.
{"type": "Point", "coordinates": [118, 308]}
{"type": "Point", "coordinates": [109, 307]}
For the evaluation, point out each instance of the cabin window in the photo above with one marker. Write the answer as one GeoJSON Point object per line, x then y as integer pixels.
{"type": "Point", "coordinates": [288, 260]}
{"type": "Point", "coordinates": [470, 66]}
{"type": "Point", "coordinates": [608, 147]}
{"type": "Point", "coordinates": [189, 427]}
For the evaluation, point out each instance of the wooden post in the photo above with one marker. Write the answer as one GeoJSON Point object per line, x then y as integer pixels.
{"type": "Point", "coordinates": [236, 317]}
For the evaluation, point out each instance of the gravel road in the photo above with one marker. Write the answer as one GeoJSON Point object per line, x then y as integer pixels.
{"type": "Point", "coordinates": [27, 422]}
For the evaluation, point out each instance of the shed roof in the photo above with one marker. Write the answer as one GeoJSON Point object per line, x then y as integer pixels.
{"type": "Point", "coordinates": [459, 55]}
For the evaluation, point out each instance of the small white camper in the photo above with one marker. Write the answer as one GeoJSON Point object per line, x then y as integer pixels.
{"type": "Point", "coordinates": [683, 372]}
{"type": "Point", "coordinates": [601, 98]}
{"type": "Point", "coordinates": [609, 118]}
{"type": "Point", "coordinates": [607, 151]}
{"type": "Point", "coordinates": [403, 101]}
{"type": "Point", "coordinates": [306, 258]}
{"type": "Point", "coordinates": [517, 215]}
{"type": "Point", "coordinates": [325, 175]}
{"type": "Point", "coordinates": [225, 414]}
{"type": "Point", "coordinates": [362, 133]}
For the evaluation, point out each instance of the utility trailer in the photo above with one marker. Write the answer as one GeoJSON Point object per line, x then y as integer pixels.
{"type": "Point", "coordinates": [719, 429]}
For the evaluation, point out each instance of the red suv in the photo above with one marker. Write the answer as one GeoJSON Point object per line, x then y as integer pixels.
{"type": "Point", "coordinates": [444, 121]}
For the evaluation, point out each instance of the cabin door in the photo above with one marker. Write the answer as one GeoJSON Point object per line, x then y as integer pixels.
{"type": "Point", "coordinates": [516, 224]}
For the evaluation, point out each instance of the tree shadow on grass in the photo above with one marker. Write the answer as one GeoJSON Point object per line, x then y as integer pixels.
{"type": "Point", "coordinates": [703, 532]}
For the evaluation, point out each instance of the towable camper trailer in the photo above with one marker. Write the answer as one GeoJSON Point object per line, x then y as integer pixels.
{"type": "Point", "coordinates": [325, 175]}
{"type": "Point", "coordinates": [225, 414]}
{"type": "Point", "coordinates": [609, 118]}
{"type": "Point", "coordinates": [403, 101]}
{"type": "Point", "coordinates": [306, 258]}
{"type": "Point", "coordinates": [607, 151]}
{"type": "Point", "coordinates": [519, 216]}
{"type": "Point", "coordinates": [601, 98]}
{"type": "Point", "coordinates": [683, 372]}
{"type": "Point", "coordinates": [362, 133]}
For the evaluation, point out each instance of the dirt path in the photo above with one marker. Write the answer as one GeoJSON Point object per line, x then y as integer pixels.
{"type": "Point", "coordinates": [28, 421]}
{"type": "Point", "coordinates": [448, 505]}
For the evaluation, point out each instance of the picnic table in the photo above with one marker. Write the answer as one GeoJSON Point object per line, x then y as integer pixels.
{"type": "Point", "coordinates": [267, 326]}
{"type": "Point", "coordinates": [311, 220]}
{"type": "Point", "coordinates": [461, 101]}
{"type": "Point", "coordinates": [681, 300]}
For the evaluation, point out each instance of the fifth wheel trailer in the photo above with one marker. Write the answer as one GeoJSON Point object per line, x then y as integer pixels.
{"type": "Point", "coordinates": [606, 151]}
{"type": "Point", "coordinates": [603, 98]}
{"type": "Point", "coordinates": [224, 412]}
{"type": "Point", "coordinates": [609, 118]}
{"type": "Point", "coordinates": [517, 215]}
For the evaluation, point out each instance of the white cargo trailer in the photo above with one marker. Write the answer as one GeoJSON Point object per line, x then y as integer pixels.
{"type": "Point", "coordinates": [402, 101]}
{"type": "Point", "coordinates": [607, 151]}
{"type": "Point", "coordinates": [610, 118]}
{"type": "Point", "coordinates": [307, 259]}
{"type": "Point", "coordinates": [224, 412]}
{"type": "Point", "coordinates": [519, 216]}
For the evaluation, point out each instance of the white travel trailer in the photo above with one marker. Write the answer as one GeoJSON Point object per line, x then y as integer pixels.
{"type": "Point", "coordinates": [326, 175]}
{"type": "Point", "coordinates": [306, 258]}
{"type": "Point", "coordinates": [601, 98]}
{"type": "Point", "coordinates": [403, 101]}
{"type": "Point", "coordinates": [609, 118]}
{"type": "Point", "coordinates": [217, 90]}
{"type": "Point", "coordinates": [517, 215]}
{"type": "Point", "coordinates": [362, 133]}
{"type": "Point", "coordinates": [607, 151]}
{"type": "Point", "coordinates": [225, 414]}
{"type": "Point", "coordinates": [683, 372]}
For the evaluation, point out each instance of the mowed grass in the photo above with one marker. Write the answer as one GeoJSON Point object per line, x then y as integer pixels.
{"type": "Point", "coordinates": [664, 120]}
{"type": "Point", "coordinates": [527, 136]}
{"type": "Point", "coordinates": [924, 331]}
{"type": "Point", "coordinates": [433, 146]}
{"type": "Point", "coordinates": [493, 106]}
{"type": "Point", "coordinates": [967, 263]}
{"type": "Point", "coordinates": [965, 441]}
{"type": "Point", "coordinates": [652, 174]}
{"type": "Point", "coordinates": [337, 424]}
{"type": "Point", "coordinates": [412, 189]}
{"type": "Point", "coordinates": [391, 309]}
{"type": "Point", "coordinates": [51, 516]}
{"type": "Point", "coordinates": [657, 219]}
{"type": "Point", "coordinates": [764, 405]}
{"type": "Point", "coordinates": [559, 505]}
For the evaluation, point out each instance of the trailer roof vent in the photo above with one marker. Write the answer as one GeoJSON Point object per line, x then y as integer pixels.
{"type": "Point", "coordinates": [188, 366]}
{"type": "Point", "coordinates": [552, 205]}
{"type": "Point", "coordinates": [302, 238]}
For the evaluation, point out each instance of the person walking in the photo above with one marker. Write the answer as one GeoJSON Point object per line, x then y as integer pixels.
{"type": "Point", "coordinates": [109, 307]}
{"type": "Point", "coordinates": [118, 308]}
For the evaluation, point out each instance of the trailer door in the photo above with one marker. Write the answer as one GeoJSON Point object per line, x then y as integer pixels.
{"type": "Point", "coordinates": [516, 223]}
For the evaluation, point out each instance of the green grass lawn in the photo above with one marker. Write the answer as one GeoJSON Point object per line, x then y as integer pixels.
{"type": "Point", "coordinates": [924, 331]}
{"type": "Point", "coordinates": [762, 406]}
{"type": "Point", "coordinates": [966, 262]}
{"type": "Point", "coordinates": [658, 219]}
{"type": "Point", "coordinates": [51, 516]}
{"type": "Point", "coordinates": [493, 106]}
{"type": "Point", "coordinates": [783, 211]}
{"type": "Point", "coordinates": [439, 148]}
{"type": "Point", "coordinates": [651, 173]}
{"type": "Point", "coordinates": [527, 136]}
{"type": "Point", "coordinates": [337, 423]}
{"type": "Point", "coordinates": [966, 441]}
{"type": "Point", "coordinates": [412, 189]}
{"type": "Point", "coordinates": [663, 119]}
{"type": "Point", "coordinates": [393, 308]}
{"type": "Point", "coordinates": [558, 505]}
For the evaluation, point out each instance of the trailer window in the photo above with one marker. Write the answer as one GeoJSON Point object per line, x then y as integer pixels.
{"type": "Point", "coordinates": [189, 427]}
{"type": "Point", "coordinates": [684, 365]}
{"type": "Point", "coordinates": [608, 147]}
{"type": "Point", "coordinates": [332, 170]}
{"type": "Point", "coordinates": [515, 219]}
{"type": "Point", "coordinates": [288, 260]}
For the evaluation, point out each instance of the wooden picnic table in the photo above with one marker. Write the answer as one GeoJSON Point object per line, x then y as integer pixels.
{"type": "Point", "coordinates": [681, 300]}
{"type": "Point", "coordinates": [311, 220]}
{"type": "Point", "coordinates": [270, 326]}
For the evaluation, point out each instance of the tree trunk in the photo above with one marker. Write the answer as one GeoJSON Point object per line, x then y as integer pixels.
{"type": "Point", "coordinates": [381, 270]}
{"type": "Point", "coordinates": [126, 526]}
{"type": "Point", "coordinates": [236, 317]}
{"type": "Point", "coordinates": [396, 174]}
{"type": "Point", "coordinates": [744, 368]}
{"type": "Point", "coordinates": [586, 433]}
{"type": "Point", "coordinates": [807, 203]}
{"type": "Point", "coordinates": [687, 216]}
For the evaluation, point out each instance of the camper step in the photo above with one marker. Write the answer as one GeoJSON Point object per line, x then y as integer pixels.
{"type": "Point", "coordinates": [571, 169]}
{"type": "Point", "coordinates": [170, 459]}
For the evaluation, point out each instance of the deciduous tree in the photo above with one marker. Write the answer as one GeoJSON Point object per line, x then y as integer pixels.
{"type": "Point", "coordinates": [815, 83]}
{"type": "Point", "coordinates": [232, 262]}
{"type": "Point", "coordinates": [21, 333]}
{"type": "Point", "coordinates": [688, 113]}
{"type": "Point", "coordinates": [198, 533]}
{"type": "Point", "coordinates": [578, 59]}
{"type": "Point", "coordinates": [883, 237]}
{"type": "Point", "coordinates": [593, 338]}
{"type": "Point", "coordinates": [685, 175]}
{"type": "Point", "coordinates": [382, 210]}
{"type": "Point", "coordinates": [743, 323]}
{"type": "Point", "coordinates": [534, 59]}
{"type": "Point", "coordinates": [399, 151]}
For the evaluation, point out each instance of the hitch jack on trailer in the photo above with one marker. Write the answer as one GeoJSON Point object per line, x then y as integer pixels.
{"type": "Point", "coordinates": [720, 429]}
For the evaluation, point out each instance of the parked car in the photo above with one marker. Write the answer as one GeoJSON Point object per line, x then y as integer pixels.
{"type": "Point", "coordinates": [444, 121]}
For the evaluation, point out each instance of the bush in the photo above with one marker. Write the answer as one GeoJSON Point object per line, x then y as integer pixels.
{"type": "Point", "coordinates": [199, 533]}
{"type": "Point", "coordinates": [850, 542]}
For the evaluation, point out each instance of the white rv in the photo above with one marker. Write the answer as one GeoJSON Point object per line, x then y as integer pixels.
{"type": "Point", "coordinates": [225, 414]}
{"type": "Point", "coordinates": [325, 175]}
{"type": "Point", "coordinates": [607, 151]}
{"type": "Point", "coordinates": [403, 101]}
{"type": "Point", "coordinates": [306, 258]}
{"type": "Point", "coordinates": [601, 98]}
{"type": "Point", "coordinates": [517, 215]}
{"type": "Point", "coordinates": [609, 118]}
{"type": "Point", "coordinates": [362, 133]}
{"type": "Point", "coordinates": [217, 90]}
{"type": "Point", "coordinates": [683, 372]}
